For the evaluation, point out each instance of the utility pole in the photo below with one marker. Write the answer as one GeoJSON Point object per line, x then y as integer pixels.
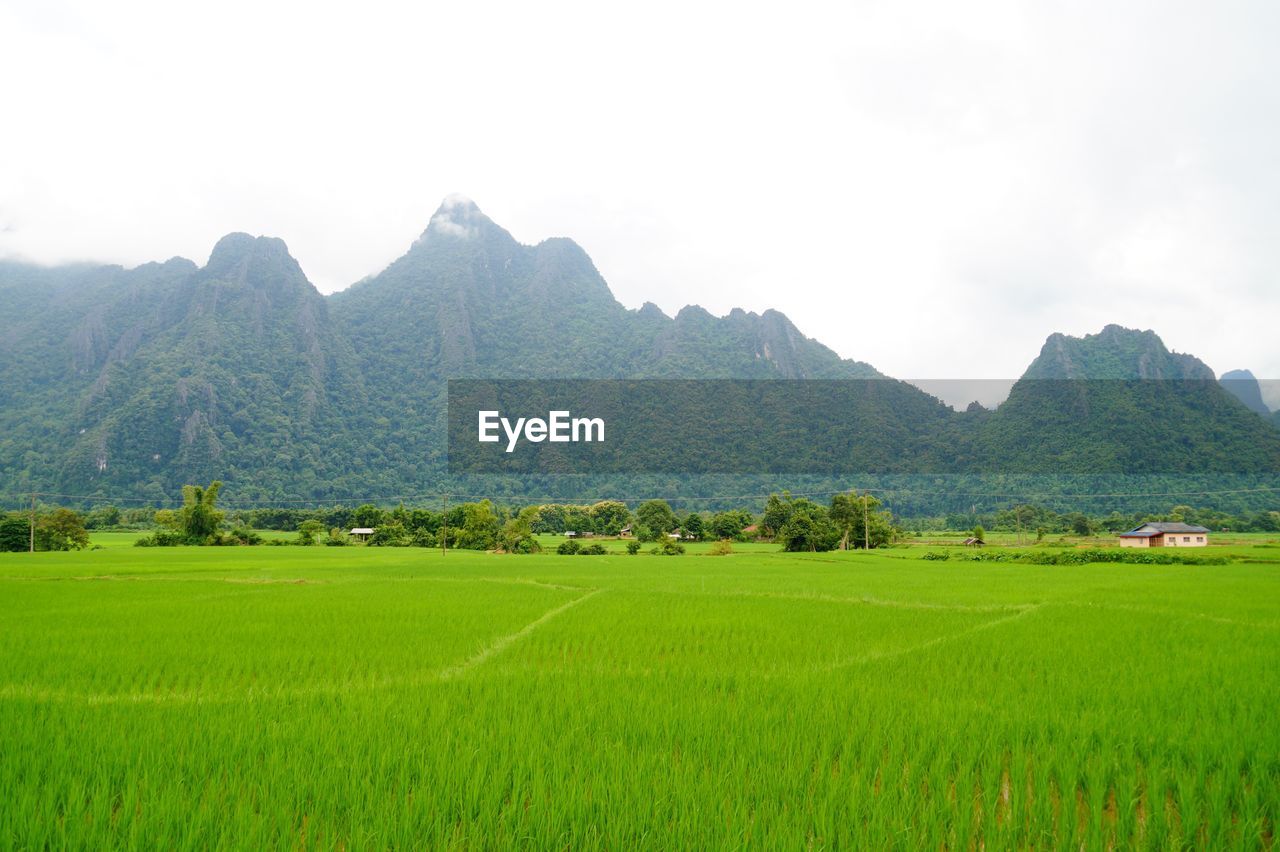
{"type": "Point", "coordinates": [33, 522]}
{"type": "Point", "coordinates": [866, 523]}
{"type": "Point", "coordinates": [444, 526]}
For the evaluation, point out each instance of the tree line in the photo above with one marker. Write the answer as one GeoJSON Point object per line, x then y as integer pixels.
{"type": "Point", "coordinates": [848, 520]}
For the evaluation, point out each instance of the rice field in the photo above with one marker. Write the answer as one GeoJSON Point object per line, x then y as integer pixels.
{"type": "Point", "coordinates": [355, 698]}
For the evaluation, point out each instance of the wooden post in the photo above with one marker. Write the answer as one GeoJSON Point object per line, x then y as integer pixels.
{"type": "Point", "coordinates": [866, 523]}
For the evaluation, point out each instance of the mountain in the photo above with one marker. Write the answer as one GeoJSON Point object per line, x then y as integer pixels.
{"type": "Point", "coordinates": [468, 300]}
{"type": "Point", "coordinates": [135, 381]}
{"type": "Point", "coordinates": [1119, 401]}
{"type": "Point", "coordinates": [1244, 387]}
{"type": "Point", "coordinates": [1114, 353]}
{"type": "Point", "coordinates": [138, 380]}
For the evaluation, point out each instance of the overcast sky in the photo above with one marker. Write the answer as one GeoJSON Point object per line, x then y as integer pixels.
{"type": "Point", "coordinates": [932, 187]}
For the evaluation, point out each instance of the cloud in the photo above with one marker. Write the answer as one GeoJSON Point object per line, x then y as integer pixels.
{"type": "Point", "coordinates": [931, 187]}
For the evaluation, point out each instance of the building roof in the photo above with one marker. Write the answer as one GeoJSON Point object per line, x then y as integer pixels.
{"type": "Point", "coordinates": [362, 531]}
{"type": "Point", "coordinates": [1155, 528]}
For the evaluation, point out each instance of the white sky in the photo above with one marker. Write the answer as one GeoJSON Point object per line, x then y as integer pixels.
{"type": "Point", "coordinates": [932, 187]}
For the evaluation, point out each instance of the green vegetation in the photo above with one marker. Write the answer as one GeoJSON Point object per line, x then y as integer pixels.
{"type": "Point", "coordinates": [127, 384]}
{"type": "Point", "coordinates": [356, 697]}
{"type": "Point", "coordinates": [56, 529]}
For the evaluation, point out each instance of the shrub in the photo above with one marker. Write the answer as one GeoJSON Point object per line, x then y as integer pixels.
{"type": "Point", "coordinates": [242, 535]}
{"type": "Point", "coordinates": [568, 547]}
{"type": "Point", "coordinates": [720, 548]}
{"type": "Point", "coordinates": [527, 544]}
{"type": "Point", "coordinates": [389, 535]}
{"type": "Point", "coordinates": [670, 547]}
{"type": "Point", "coordinates": [162, 538]}
{"type": "Point", "coordinates": [1085, 556]}
{"type": "Point", "coordinates": [934, 556]}
{"type": "Point", "coordinates": [593, 550]}
{"type": "Point", "coordinates": [633, 547]}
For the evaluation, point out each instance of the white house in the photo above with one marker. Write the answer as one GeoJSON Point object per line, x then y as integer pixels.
{"type": "Point", "coordinates": [1164, 534]}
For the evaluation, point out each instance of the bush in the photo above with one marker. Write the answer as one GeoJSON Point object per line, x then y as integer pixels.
{"type": "Point", "coordinates": [670, 547]}
{"type": "Point", "coordinates": [242, 535]}
{"type": "Point", "coordinates": [568, 547]}
{"type": "Point", "coordinates": [934, 556]}
{"type": "Point", "coordinates": [389, 535]}
{"type": "Point", "coordinates": [633, 547]}
{"type": "Point", "coordinates": [1085, 556]}
{"type": "Point", "coordinates": [527, 544]}
{"type": "Point", "coordinates": [593, 550]}
{"type": "Point", "coordinates": [162, 538]}
{"type": "Point", "coordinates": [720, 548]}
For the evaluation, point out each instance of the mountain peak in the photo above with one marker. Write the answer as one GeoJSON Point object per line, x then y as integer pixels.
{"type": "Point", "coordinates": [1243, 385]}
{"type": "Point", "coordinates": [458, 217]}
{"type": "Point", "coordinates": [1115, 352]}
{"type": "Point", "coordinates": [238, 247]}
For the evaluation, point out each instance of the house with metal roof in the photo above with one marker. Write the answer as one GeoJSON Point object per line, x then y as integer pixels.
{"type": "Point", "coordinates": [1165, 534]}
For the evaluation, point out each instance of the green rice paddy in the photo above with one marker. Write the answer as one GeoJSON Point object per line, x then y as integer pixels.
{"type": "Point", "coordinates": [357, 697]}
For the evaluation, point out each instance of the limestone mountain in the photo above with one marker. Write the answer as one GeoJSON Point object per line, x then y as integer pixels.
{"type": "Point", "coordinates": [1244, 386]}
{"type": "Point", "coordinates": [1120, 401]}
{"type": "Point", "coordinates": [132, 382]}
{"type": "Point", "coordinates": [1114, 353]}
{"type": "Point", "coordinates": [144, 379]}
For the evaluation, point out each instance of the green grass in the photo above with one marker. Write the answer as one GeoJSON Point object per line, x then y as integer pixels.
{"type": "Point", "coordinates": [364, 697]}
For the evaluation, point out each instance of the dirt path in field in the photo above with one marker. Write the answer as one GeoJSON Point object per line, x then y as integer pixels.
{"type": "Point", "coordinates": [499, 644]}
{"type": "Point", "coordinates": [937, 640]}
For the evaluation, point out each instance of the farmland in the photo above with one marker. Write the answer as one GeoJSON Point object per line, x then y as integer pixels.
{"type": "Point", "coordinates": [354, 697]}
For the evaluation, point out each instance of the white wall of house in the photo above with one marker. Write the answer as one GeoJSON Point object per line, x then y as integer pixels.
{"type": "Point", "coordinates": [1186, 539]}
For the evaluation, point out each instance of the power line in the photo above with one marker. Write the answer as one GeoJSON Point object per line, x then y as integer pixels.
{"type": "Point", "coordinates": [434, 496]}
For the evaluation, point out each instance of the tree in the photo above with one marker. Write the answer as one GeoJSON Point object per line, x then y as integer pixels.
{"type": "Point", "coordinates": [199, 518]}
{"type": "Point", "coordinates": [730, 524]}
{"type": "Point", "coordinates": [550, 519]}
{"type": "Point", "coordinates": [861, 521]}
{"type": "Point", "coordinates": [392, 534]}
{"type": "Point", "coordinates": [480, 526]}
{"type": "Point", "coordinates": [102, 517]}
{"type": "Point", "coordinates": [61, 529]}
{"type": "Point", "coordinates": [809, 528]}
{"type": "Point", "coordinates": [15, 534]}
{"type": "Point", "coordinates": [610, 516]}
{"type": "Point", "coordinates": [657, 516]}
{"type": "Point", "coordinates": [516, 535]}
{"type": "Point", "coordinates": [694, 526]}
{"type": "Point", "coordinates": [846, 512]}
{"type": "Point", "coordinates": [1080, 524]}
{"type": "Point", "coordinates": [368, 516]}
{"type": "Point", "coordinates": [307, 532]}
{"type": "Point", "coordinates": [979, 533]}
{"type": "Point", "coordinates": [578, 518]}
{"type": "Point", "coordinates": [777, 511]}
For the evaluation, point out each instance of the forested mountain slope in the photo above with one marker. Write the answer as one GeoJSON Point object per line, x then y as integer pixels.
{"type": "Point", "coordinates": [134, 381]}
